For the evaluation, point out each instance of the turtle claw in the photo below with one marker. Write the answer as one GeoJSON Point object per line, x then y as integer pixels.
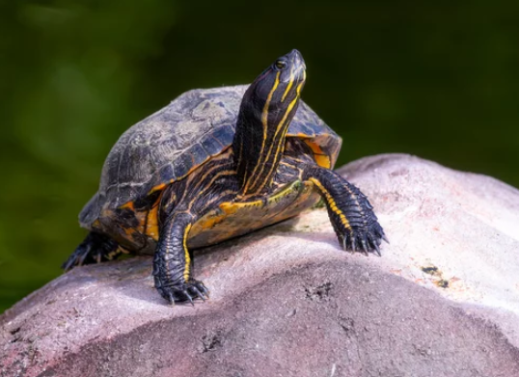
{"type": "Point", "coordinates": [200, 290]}
{"type": "Point", "coordinates": [364, 245]}
{"type": "Point", "coordinates": [365, 239]}
{"type": "Point", "coordinates": [377, 248]}
{"type": "Point", "coordinates": [187, 292]}
{"type": "Point", "coordinates": [95, 248]}
{"type": "Point", "coordinates": [375, 244]}
{"type": "Point", "coordinates": [67, 265]}
{"type": "Point", "coordinates": [353, 241]}
{"type": "Point", "coordinates": [84, 254]}
{"type": "Point", "coordinates": [345, 246]}
{"type": "Point", "coordinates": [77, 258]}
{"type": "Point", "coordinates": [199, 293]}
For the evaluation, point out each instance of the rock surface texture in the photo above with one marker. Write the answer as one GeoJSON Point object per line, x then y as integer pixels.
{"type": "Point", "coordinates": [443, 300]}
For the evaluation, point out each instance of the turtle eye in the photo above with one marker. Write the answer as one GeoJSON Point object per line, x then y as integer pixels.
{"type": "Point", "coordinates": [280, 64]}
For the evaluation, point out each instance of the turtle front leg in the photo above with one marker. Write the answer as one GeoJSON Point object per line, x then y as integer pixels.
{"type": "Point", "coordinates": [96, 248]}
{"type": "Point", "coordinates": [172, 264]}
{"type": "Point", "coordinates": [350, 212]}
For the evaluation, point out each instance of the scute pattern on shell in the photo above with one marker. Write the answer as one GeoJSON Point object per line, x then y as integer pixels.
{"type": "Point", "coordinates": [169, 143]}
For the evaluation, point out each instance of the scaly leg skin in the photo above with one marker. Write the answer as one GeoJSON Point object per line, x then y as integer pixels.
{"type": "Point", "coordinates": [96, 248]}
{"type": "Point", "coordinates": [172, 265]}
{"type": "Point", "coordinates": [351, 214]}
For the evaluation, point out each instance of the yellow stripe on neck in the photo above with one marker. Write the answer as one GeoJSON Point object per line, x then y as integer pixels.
{"type": "Point", "coordinates": [280, 143]}
{"type": "Point", "coordinates": [289, 86]}
{"type": "Point", "coordinates": [264, 121]}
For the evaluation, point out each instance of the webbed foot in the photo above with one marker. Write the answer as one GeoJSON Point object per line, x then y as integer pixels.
{"type": "Point", "coordinates": [185, 292]}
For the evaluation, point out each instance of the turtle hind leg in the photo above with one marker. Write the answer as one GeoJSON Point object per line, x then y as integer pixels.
{"type": "Point", "coordinates": [96, 248]}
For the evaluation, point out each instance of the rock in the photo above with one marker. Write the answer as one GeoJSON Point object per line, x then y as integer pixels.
{"type": "Point", "coordinates": [442, 300]}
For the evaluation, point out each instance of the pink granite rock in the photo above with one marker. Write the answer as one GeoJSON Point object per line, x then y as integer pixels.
{"type": "Point", "coordinates": [443, 300]}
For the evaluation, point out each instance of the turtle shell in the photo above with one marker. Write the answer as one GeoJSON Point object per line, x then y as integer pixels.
{"type": "Point", "coordinates": [174, 141]}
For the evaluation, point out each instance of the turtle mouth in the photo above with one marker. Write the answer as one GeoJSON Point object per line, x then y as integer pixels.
{"type": "Point", "coordinates": [297, 67]}
{"type": "Point", "coordinates": [301, 74]}
{"type": "Point", "coordinates": [297, 60]}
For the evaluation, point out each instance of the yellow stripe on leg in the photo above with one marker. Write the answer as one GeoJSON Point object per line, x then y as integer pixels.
{"type": "Point", "coordinates": [331, 203]}
{"type": "Point", "coordinates": [186, 254]}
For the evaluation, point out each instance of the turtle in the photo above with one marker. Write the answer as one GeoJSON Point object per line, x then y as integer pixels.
{"type": "Point", "coordinates": [216, 164]}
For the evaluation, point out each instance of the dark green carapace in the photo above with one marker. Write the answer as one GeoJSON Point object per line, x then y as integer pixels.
{"type": "Point", "coordinates": [216, 164]}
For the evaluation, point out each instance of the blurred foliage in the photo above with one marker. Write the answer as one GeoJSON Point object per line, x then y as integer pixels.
{"type": "Point", "coordinates": [436, 79]}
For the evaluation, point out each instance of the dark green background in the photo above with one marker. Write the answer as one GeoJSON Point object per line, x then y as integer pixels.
{"type": "Point", "coordinates": [437, 79]}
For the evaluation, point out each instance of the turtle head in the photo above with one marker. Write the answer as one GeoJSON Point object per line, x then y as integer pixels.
{"type": "Point", "coordinates": [280, 84]}
{"type": "Point", "coordinates": [266, 110]}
